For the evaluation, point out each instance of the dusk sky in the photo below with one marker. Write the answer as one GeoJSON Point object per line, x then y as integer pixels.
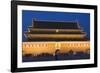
{"type": "Point", "coordinates": [82, 18]}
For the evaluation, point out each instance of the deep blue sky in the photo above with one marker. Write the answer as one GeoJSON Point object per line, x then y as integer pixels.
{"type": "Point", "coordinates": [82, 18]}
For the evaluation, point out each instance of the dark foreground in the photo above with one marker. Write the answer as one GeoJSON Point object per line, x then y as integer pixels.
{"type": "Point", "coordinates": [60, 56]}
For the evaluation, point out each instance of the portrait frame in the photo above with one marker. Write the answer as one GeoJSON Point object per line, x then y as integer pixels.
{"type": "Point", "coordinates": [15, 31]}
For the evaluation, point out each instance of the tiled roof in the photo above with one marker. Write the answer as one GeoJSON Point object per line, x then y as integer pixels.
{"type": "Point", "coordinates": [55, 25]}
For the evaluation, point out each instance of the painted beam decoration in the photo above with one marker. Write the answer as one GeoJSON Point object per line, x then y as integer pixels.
{"type": "Point", "coordinates": [49, 36]}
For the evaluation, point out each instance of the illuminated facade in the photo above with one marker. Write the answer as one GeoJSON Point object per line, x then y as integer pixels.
{"type": "Point", "coordinates": [47, 37]}
{"type": "Point", "coordinates": [36, 48]}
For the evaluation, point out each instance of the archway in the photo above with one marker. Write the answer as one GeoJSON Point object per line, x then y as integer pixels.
{"type": "Point", "coordinates": [57, 53]}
